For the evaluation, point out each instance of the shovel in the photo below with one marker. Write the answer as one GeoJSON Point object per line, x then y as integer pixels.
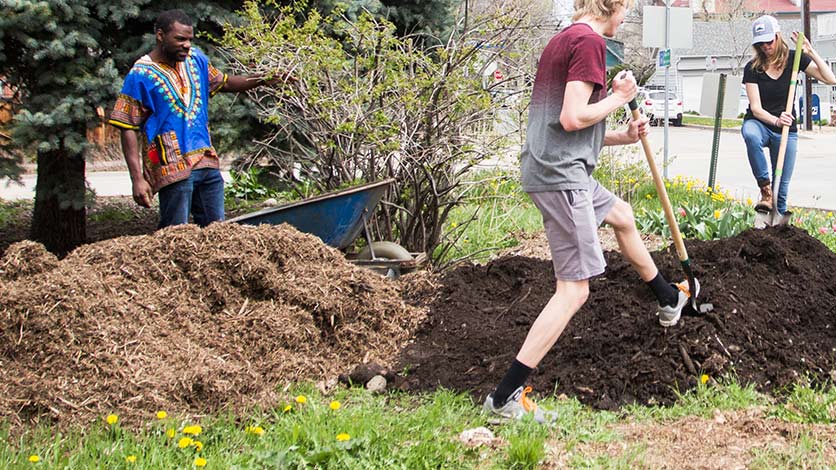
{"type": "Point", "coordinates": [690, 308]}
{"type": "Point", "coordinates": [772, 218]}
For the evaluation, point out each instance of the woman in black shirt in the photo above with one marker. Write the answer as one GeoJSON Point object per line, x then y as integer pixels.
{"type": "Point", "coordinates": [767, 78]}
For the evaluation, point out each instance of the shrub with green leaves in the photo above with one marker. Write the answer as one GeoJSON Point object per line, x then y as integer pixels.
{"type": "Point", "coordinates": [245, 185]}
{"type": "Point", "coordinates": [363, 103]}
{"type": "Point", "coordinates": [702, 212]}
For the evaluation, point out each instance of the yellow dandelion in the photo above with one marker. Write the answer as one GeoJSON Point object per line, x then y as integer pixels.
{"type": "Point", "coordinates": [335, 405]}
{"type": "Point", "coordinates": [830, 214]}
{"type": "Point", "coordinates": [194, 430]}
{"type": "Point", "coordinates": [287, 408]}
{"type": "Point", "coordinates": [704, 379]}
{"type": "Point", "coordinates": [184, 442]}
{"type": "Point", "coordinates": [342, 437]}
{"type": "Point", "coordinates": [748, 201]}
{"type": "Point", "coordinates": [667, 185]}
{"type": "Point", "coordinates": [200, 462]}
{"type": "Point", "coordinates": [454, 225]}
{"type": "Point", "coordinates": [198, 445]}
{"type": "Point", "coordinates": [716, 214]}
{"type": "Point", "coordinates": [301, 399]}
{"type": "Point", "coordinates": [162, 415]}
{"type": "Point", "coordinates": [112, 419]}
{"type": "Point", "coordinates": [255, 430]}
{"type": "Point", "coordinates": [130, 459]}
{"type": "Point", "coordinates": [648, 196]}
{"type": "Point", "coordinates": [34, 458]}
{"type": "Point", "coordinates": [170, 433]}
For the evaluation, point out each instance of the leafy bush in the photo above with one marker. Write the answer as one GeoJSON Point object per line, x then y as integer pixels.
{"type": "Point", "coordinates": [245, 185]}
{"type": "Point", "coordinates": [819, 224]}
{"type": "Point", "coordinates": [702, 212]}
{"type": "Point", "coordinates": [366, 104]}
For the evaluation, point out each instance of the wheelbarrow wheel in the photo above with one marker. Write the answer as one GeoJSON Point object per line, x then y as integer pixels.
{"type": "Point", "coordinates": [385, 250]}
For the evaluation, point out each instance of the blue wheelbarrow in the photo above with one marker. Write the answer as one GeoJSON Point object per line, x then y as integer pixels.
{"type": "Point", "coordinates": [338, 218]}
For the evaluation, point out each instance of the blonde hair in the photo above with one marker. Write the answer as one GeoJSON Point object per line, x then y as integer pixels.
{"type": "Point", "coordinates": [600, 9]}
{"type": "Point", "coordinates": [760, 62]}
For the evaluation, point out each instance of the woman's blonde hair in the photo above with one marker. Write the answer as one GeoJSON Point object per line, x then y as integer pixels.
{"type": "Point", "coordinates": [600, 9]}
{"type": "Point", "coordinates": [761, 62]}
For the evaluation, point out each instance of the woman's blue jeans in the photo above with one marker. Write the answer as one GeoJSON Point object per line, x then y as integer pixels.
{"type": "Point", "coordinates": [757, 136]}
{"type": "Point", "coordinates": [201, 194]}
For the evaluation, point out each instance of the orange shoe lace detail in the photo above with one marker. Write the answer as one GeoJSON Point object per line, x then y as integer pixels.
{"type": "Point", "coordinates": [684, 288]}
{"type": "Point", "coordinates": [527, 404]}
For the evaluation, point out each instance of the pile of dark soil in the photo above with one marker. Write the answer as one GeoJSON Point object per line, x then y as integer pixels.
{"type": "Point", "coordinates": [774, 293]}
{"type": "Point", "coordinates": [186, 320]}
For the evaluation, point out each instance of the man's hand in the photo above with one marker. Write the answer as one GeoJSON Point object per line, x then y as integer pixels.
{"type": "Point", "coordinates": [142, 192]}
{"type": "Point", "coordinates": [286, 77]}
{"type": "Point", "coordinates": [624, 86]}
{"type": "Point", "coordinates": [637, 128]}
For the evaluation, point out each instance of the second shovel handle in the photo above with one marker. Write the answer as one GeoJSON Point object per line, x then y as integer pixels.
{"type": "Point", "coordinates": [661, 191]}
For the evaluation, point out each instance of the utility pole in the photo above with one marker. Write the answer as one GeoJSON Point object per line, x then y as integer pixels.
{"type": "Point", "coordinates": [667, 68]}
{"type": "Point", "coordinates": [808, 85]}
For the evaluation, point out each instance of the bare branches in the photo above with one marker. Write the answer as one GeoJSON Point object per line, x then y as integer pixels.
{"type": "Point", "coordinates": [366, 105]}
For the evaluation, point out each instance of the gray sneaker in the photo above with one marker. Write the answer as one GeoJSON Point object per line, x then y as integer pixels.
{"type": "Point", "coordinates": [669, 314]}
{"type": "Point", "coordinates": [519, 405]}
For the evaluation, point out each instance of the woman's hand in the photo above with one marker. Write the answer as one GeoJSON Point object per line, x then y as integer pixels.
{"type": "Point", "coordinates": [786, 119]}
{"type": "Point", "coordinates": [806, 47]}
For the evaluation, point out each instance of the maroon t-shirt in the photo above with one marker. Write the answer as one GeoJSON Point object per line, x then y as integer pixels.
{"type": "Point", "coordinates": [552, 158]}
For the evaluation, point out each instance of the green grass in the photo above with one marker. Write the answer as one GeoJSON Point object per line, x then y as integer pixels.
{"type": "Point", "coordinates": [709, 121]}
{"type": "Point", "coordinates": [396, 431]}
{"type": "Point", "coordinates": [804, 452]}
{"type": "Point", "coordinates": [495, 210]}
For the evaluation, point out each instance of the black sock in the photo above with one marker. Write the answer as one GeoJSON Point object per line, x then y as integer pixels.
{"type": "Point", "coordinates": [665, 293]}
{"type": "Point", "coordinates": [514, 379]}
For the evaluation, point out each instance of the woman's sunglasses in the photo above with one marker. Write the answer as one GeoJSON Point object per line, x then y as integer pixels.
{"type": "Point", "coordinates": [759, 44]}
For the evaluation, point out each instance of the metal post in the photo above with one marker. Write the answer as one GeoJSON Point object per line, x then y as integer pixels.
{"type": "Point", "coordinates": [667, 67]}
{"type": "Point", "coordinates": [808, 84]}
{"type": "Point", "coordinates": [718, 120]}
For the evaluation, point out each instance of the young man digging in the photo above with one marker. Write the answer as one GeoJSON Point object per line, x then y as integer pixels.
{"type": "Point", "coordinates": [566, 131]}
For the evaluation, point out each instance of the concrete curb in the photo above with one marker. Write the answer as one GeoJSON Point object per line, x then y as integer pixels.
{"type": "Point", "coordinates": [736, 130]}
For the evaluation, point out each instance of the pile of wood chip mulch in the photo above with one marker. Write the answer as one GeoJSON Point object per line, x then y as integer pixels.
{"type": "Point", "coordinates": [188, 320]}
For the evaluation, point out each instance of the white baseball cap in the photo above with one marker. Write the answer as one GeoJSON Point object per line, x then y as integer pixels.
{"type": "Point", "coordinates": [764, 29]}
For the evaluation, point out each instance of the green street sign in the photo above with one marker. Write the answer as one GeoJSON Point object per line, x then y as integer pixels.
{"type": "Point", "coordinates": [664, 58]}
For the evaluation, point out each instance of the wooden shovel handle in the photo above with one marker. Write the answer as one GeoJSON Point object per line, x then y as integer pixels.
{"type": "Point", "coordinates": [661, 191]}
{"type": "Point", "coordinates": [785, 130]}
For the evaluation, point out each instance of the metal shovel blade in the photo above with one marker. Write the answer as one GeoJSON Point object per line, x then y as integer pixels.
{"type": "Point", "coordinates": [771, 218]}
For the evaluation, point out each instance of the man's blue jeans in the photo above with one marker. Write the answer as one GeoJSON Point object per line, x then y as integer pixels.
{"type": "Point", "coordinates": [202, 194]}
{"type": "Point", "coordinates": [757, 136]}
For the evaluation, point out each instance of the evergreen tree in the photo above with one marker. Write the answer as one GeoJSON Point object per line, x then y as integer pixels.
{"type": "Point", "coordinates": [68, 57]}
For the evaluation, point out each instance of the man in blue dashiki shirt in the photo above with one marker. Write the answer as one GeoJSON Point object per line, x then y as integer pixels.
{"type": "Point", "coordinates": [164, 99]}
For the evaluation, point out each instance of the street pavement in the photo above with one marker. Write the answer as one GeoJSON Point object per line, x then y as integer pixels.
{"type": "Point", "coordinates": [813, 182]}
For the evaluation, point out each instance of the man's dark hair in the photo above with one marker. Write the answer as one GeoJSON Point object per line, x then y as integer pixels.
{"type": "Point", "coordinates": [168, 18]}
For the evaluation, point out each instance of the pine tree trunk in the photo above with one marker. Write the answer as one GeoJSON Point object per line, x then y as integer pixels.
{"type": "Point", "coordinates": [59, 218]}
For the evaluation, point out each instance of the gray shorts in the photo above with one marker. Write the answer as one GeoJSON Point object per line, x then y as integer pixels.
{"type": "Point", "coordinates": [571, 219]}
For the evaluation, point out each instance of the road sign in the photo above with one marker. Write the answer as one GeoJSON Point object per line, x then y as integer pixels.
{"type": "Point", "coordinates": [664, 58]}
{"type": "Point", "coordinates": [497, 74]}
{"type": "Point", "coordinates": [681, 24]}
